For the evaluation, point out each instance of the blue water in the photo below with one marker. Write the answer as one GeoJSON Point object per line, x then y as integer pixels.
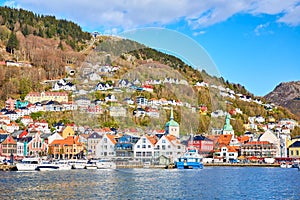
{"type": "Point", "coordinates": [208, 183]}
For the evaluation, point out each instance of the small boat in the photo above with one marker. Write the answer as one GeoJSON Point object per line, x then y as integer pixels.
{"type": "Point", "coordinates": [91, 164]}
{"type": "Point", "coordinates": [106, 164]}
{"type": "Point", "coordinates": [146, 164]}
{"type": "Point", "coordinates": [47, 166]}
{"type": "Point", "coordinates": [190, 160]}
{"type": "Point", "coordinates": [78, 164]}
{"type": "Point", "coordinates": [63, 165]}
{"type": "Point", "coordinates": [28, 164]}
{"type": "Point", "coordinates": [286, 165]}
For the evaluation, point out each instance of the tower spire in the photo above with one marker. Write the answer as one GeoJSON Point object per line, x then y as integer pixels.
{"type": "Point", "coordinates": [171, 116]}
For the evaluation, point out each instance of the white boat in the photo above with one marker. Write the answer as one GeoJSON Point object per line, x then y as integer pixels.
{"type": "Point", "coordinates": [146, 164]}
{"type": "Point", "coordinates": [106, 164]}
{"type": "Point", "coordinates": [78, 164]}
{"type": "Point", "coordinates": [28, 164]}
{"type": "Point", "coordinates": [47, 166]}
{"type": "Point", "coordinates": [286, 165]}
{"type": "Point", "coordinates": [91, 164]}
{"type": "Point", "coordinates": [63, 165]}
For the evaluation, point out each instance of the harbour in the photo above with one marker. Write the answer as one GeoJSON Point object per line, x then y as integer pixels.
{"type": "Point", "coordinates": [147, 183]}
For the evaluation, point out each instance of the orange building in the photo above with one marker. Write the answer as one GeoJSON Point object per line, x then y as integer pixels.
{"type": "Point", "coordinates": [66, 148]}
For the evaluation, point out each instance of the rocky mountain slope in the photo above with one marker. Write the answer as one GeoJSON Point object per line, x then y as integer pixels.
{"type": "Point", "coordinates": [287, 95]}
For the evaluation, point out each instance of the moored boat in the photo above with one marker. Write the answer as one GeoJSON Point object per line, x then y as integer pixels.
{"type": "Point", "coordinates": [28, 164]}
{"type": "Point", "coordinates": [78, 164]}
{"type": "Point", "coordinates": [106, 164]}
{"type": "Point", "coordinates": [47, 166]}
{"type": "Point", "coordinates": [190, 160]}
{"type": "Point", "coordinates": [286, 165]}
{"type": "Point", "coordinates": [63, 165]}
{"type": "Point", "coordinates": [91, 164]}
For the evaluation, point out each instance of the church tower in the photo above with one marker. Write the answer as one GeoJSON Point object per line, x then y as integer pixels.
{"type": "Point", "coordinates": [172, 127]}
{"type": "Point", "coordinates": [227, 128]}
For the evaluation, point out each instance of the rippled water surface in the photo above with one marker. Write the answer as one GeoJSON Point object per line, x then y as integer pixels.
{"type": "Point", "coordinates": [208, 183]}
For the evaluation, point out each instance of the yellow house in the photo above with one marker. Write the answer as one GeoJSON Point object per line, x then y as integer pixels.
{"type": "Point", "coordinates": [294, 150]}
{"type": "Point", "coordinates": [34, 97]}
{"type": "Point", "coordinates": [68, 131]}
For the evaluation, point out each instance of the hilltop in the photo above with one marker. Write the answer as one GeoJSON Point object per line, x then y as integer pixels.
{"type": "Point", "coordinates": [287, 95]}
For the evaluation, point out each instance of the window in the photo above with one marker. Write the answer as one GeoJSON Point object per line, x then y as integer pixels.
{"type": "Point", "coordinates": [163, 147]}
{"type": "Point", "coordinates": [138, 153]}
{"type": "Point", "coordinates": [163, 141]}
{"type": "Point", "coordinates": [144, 146]}
{"type": "Point", "coordinates": [292, 152]}
{"type": "Point", "coordinates": [149, 154]}
{"type": "Point", "coordinates": [138, 146]}
{"type": "Point", "coordinates": [169, 146]}
{"type": "Point", "coordinates": [105, 140]}
{"type": "Point", "coordinates": [149, 146]}
{"type": "Point", "coordinates": [297, 153]}
{"type": "Point", "coordinates": [144, 140]}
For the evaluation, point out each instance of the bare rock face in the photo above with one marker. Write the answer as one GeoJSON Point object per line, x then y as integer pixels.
{"type": "Point", "coordinates": [287, 95]}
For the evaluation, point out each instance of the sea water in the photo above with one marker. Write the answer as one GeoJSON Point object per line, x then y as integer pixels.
{"type": "Point", "coordinates": [208, 183]}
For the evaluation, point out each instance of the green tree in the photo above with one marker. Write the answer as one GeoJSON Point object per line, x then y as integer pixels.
{"type": "Point", "coordinates": [12, 43]}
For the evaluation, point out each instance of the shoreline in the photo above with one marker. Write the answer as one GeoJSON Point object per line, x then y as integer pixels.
{"type": "Point", "coordinates": [239, 165]}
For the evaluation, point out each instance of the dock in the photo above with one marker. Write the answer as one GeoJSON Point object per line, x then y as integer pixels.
{"type": "Point", "coordinates": [240, 165]}
{"type": "Point", "coordinates": [7, 167]}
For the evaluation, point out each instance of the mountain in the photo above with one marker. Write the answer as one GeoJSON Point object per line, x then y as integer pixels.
{"type": "Point", "coordinates": [287, 95]}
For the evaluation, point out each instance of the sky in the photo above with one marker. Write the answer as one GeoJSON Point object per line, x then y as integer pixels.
{"type": "Point", "coordinates": [252, 42]}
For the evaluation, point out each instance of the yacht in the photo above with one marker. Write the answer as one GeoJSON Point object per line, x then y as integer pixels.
{"type": "Point", "coordinates": [63, 165]}
{"type": "Point", "coordinates": [106, 164]}
{"type": "Point", "coordinates": [190, 160]}
{"type": "Point", "coordinates": [28, 164]}
{"type": "Point", "coordinates": [47, 166]}
{"type": "Point", "coordinates": [78, 164]}
{"type": "Point", "coordinates": [91, 164]}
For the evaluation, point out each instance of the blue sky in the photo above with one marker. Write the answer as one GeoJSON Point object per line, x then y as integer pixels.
{"type": "Point", "coordinates": [252, 42]}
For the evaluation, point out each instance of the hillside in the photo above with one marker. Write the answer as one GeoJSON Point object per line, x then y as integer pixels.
{"type": "Point", "coordinates": [287, 95]}
{"type": "Point", "coordinates": [199, 100]}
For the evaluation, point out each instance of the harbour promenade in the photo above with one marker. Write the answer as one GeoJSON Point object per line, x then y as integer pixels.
{"type": "Point", "coordinates": [240, 165]}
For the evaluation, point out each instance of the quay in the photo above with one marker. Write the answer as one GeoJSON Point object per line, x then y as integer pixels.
{"type": "Point", "coordinates": [240, 165]}
{"type": "Point", "coordinates": [7, 167]}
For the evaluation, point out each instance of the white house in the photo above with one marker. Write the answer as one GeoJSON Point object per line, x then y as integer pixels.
{"type": "Point", "coordinates": [106, 147]}
{"type": "Point", "coordinates": [225, 153]}
{"type": "Point", "coordinates": [20, 149]}
{"type": "Point", "coordinates": [169, 146]}
{"type": "Point", "coordinates": [144, 148]}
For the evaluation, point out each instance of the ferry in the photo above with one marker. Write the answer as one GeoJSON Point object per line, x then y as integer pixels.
{"type": "Point", "coordinates": [190, 160]}
{"type": "Point", "coordinates": [28, 164]}
{"type": "Point", "coordinates": [47, 166]}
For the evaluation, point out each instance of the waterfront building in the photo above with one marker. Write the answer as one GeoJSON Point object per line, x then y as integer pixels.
{"type": "Point", "coordinates": [124, 147]}
{"type": "Point", "coordinates": [37, 146]}
{"type": "Point", "coordinates": [259, 149]}
{"type": "Point", "coordinates": [66, 148]}
{"type": "Point", "coordinates": [92, 142]}
{"type": "Point", "coordinates": [294, 150]}
{"type": "Point", "coordinates": [204, 145]}
{"type": "Point", "coordinates": [106, 147]}
{"type": "Point", "coordinates": [144, 148]}
{"type": "Point", "coordinates": [270, 137]}
{"type": "Point", "coordinates": [169, 147]}
{"type": "Point", "coordinates": [8, 145]}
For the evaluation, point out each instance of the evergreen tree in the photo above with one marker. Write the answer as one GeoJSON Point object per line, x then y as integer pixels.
{"type": "Point", "coordinates": [12, 43]}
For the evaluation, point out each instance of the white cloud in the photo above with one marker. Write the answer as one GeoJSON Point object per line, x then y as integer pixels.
{"type": "Point", "coordinates": [261, 29]}
{"type": "Point", "coordinates": [199, 33]}
{"type": "Point", "coordinates": [127, 14]}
